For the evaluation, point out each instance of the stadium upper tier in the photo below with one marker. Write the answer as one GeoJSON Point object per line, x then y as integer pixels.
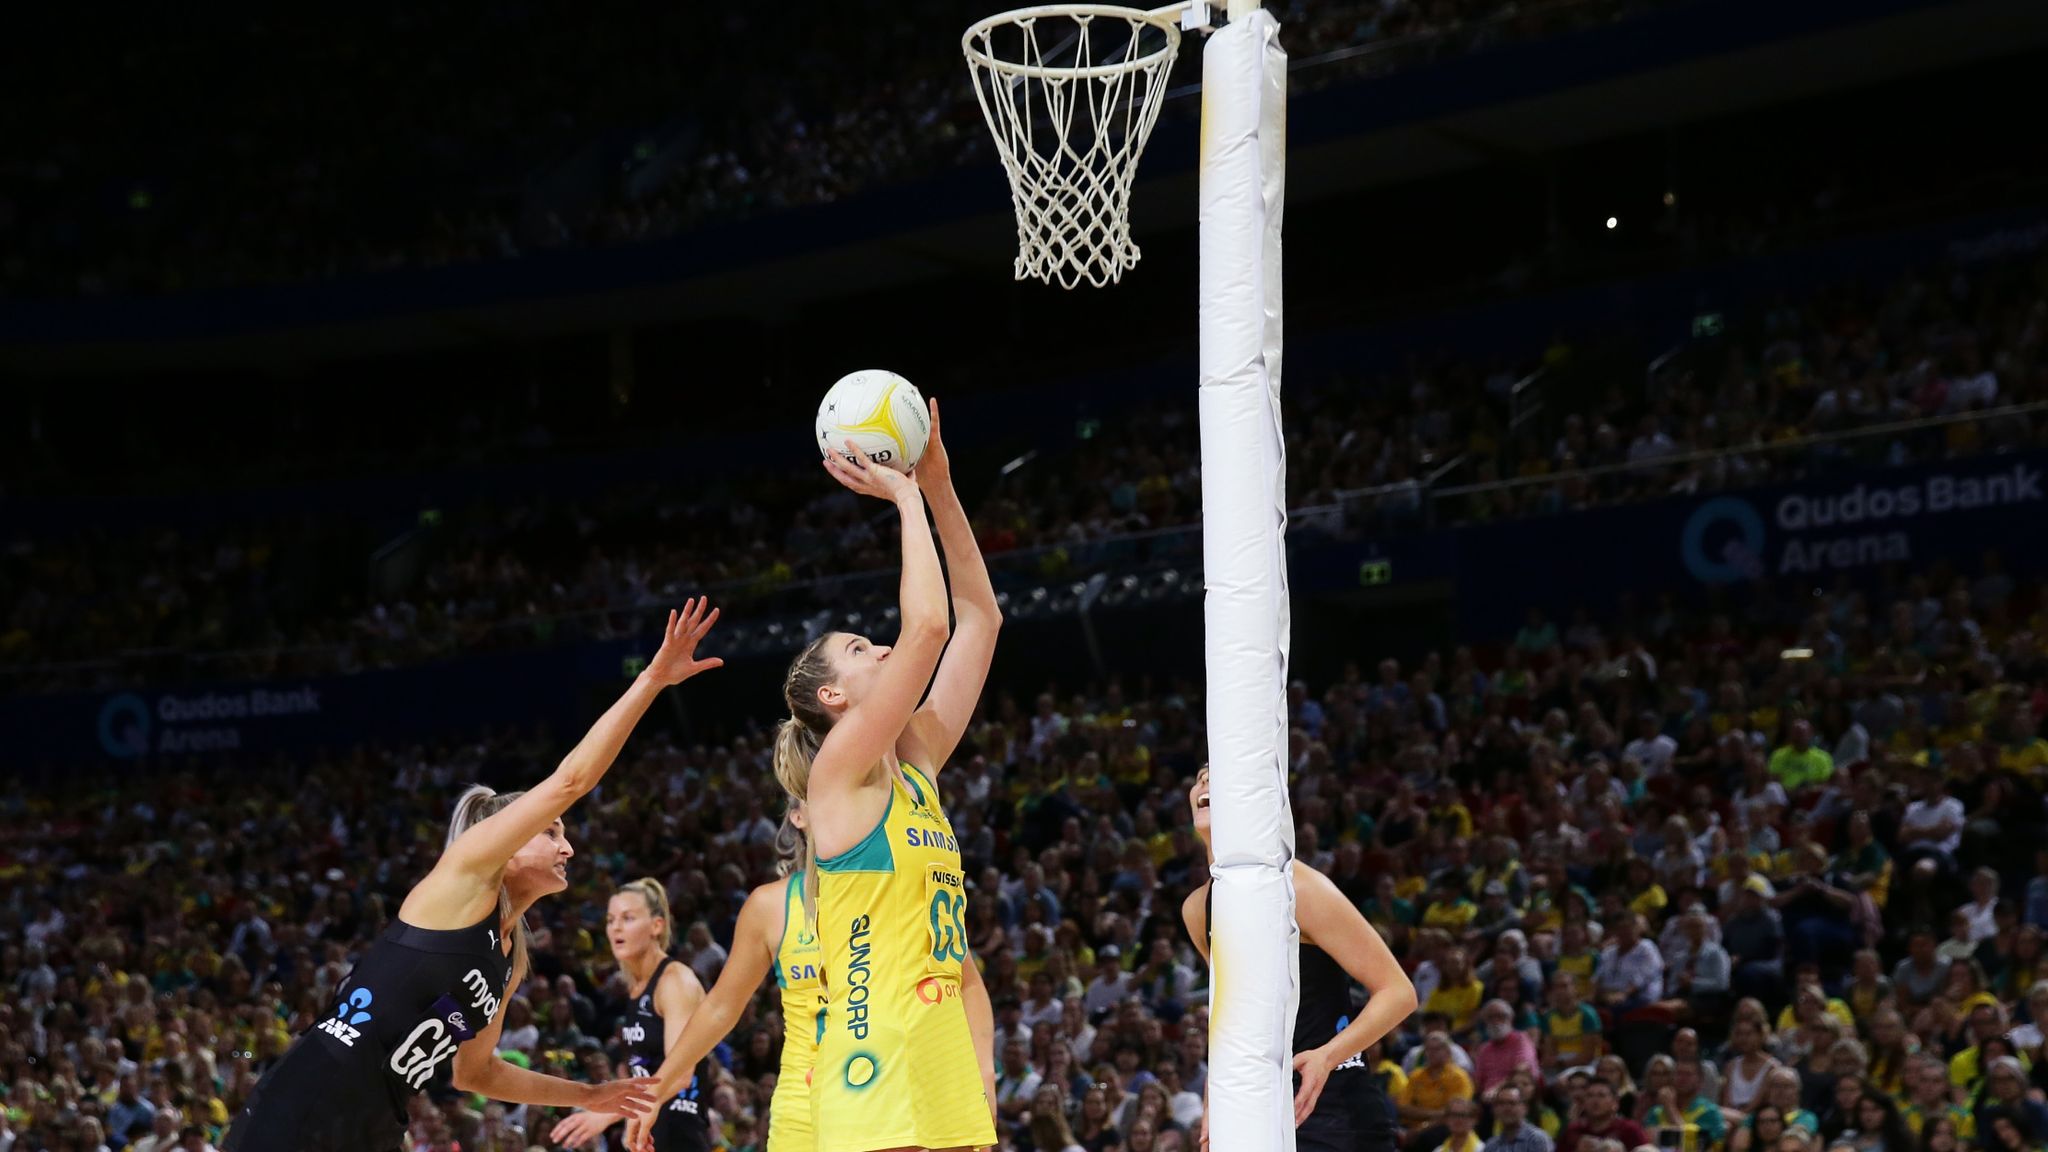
{"type": "Point", "coordinates": [478, 134]}
{"type": "Point", "coordinates": [1943, 364]}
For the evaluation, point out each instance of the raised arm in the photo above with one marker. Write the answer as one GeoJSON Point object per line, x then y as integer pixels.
{"type": "Point", "coordinates": [936, 729]}
{"type": "Point", "coordinates": [1334, 924]}
{"type": "Point", "coordinates": [464, 883]}
{"type": "Point", "coordinates": [864, 734]}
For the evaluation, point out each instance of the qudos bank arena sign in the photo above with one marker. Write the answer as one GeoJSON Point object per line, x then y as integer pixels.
{"type": "Point", "coordinates": [132, 726]}
{"type": "Point", "coordinates": [1819, 528]}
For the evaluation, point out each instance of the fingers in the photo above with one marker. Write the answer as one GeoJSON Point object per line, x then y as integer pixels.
{"type": "Point", "coordinates": [709, 663]}
{"type": "Point", "coordinates": [634, 1097]}
{"type": "Point", "coordinates": [704, 621]}
{"type": "Point", "coordinates": [846, 474]}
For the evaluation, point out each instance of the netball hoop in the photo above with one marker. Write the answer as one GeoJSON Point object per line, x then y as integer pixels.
{"type": "Point", "coordinates": [1071, 92]}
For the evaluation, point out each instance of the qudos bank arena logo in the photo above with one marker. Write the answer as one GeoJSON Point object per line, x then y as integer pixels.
{"type": "Point", "coordinates": [1723, 541]}
{"type": "Point", "coordinates": [124, 726]}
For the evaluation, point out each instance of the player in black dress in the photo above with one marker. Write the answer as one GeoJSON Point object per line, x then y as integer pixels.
{"type": "Point", "coordinates": [665, 995]}
{"type": "Point", "coordinates": [423, 1006]}
{"type": "Point", "coordinates": [1339, 1105]}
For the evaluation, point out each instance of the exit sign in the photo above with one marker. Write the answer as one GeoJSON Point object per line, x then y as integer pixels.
{"type": "Point", "coordinates": [1374, 573]}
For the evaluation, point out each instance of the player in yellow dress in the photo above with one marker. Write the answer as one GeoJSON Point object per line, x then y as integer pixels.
{"type": "Point", "coordinates": [897, 1066]}
{"type": "Point", "coordinates": [770, 936]}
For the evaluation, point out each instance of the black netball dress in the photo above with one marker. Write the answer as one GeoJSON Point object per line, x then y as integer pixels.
{"type": "Point", "coordinates": [684, 1123]}
{"type": "Point", "coordinates": [1353, 1114]}
{"type": "Point", "coordinates": [344, 1084]}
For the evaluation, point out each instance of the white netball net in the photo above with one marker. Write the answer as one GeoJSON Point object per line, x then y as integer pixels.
{"type": "Point", "coordinates": [1071, 92]}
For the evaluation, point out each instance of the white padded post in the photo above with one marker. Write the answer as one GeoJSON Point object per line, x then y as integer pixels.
{"type": "Point", "coordinates": [1254, 975]}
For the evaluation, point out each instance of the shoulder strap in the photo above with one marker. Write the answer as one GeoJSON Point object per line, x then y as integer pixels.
{"type": "Point", "coordinates": [1209, 913]}
{"type": "Point", "coordinates": [654, 981]}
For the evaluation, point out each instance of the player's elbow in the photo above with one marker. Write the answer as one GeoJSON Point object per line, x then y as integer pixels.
{"type": "Point", "coordinates": [574, 778]}
{"type": "Point", "coordinates": [979, 607]}
{"type": "Point", "coordinates": [923, 630]}
{"type": "Point", "coordinates": [1400, 992]}
{"type": "Point", "coordinates": [472, 1073]}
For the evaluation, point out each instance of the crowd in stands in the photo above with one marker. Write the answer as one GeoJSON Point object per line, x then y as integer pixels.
{"type": "Point", "coordinates": [285, 599]}
{"type": "Point", "coordinates": [1656, 885]}
{"type": "Point", "coordinates": [488, 131]}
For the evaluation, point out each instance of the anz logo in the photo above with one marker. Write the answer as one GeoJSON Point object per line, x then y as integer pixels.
{"type": "Point", "coordinates": [1357, 1059]}
{"type": "Point", "coordinates": [349, 1017]}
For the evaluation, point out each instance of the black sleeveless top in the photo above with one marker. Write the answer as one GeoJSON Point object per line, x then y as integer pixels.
{"type": "Point", "coordinates": [1325, 1007]}
{"type": "Point", "coordinates": [646, 1048]}
{"type": "Point", "coordinates": [391, 1032]}
{"type": "Point", "coordinates": [1325, 1000]}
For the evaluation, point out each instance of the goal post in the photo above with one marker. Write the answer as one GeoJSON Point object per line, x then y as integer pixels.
{"type": "Point", "coordinates": [1254, 970]}
{"type": "Point", "coordinates": [1071, 92]}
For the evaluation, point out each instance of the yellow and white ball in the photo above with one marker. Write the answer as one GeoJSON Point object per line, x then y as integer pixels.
{"type": "Point", "coordinates": [879, 411]}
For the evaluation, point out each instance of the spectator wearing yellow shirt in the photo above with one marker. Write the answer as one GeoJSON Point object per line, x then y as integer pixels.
{"type": "Point", "coordinates": [1431, 1088]}
{"type": "Point", "coordinates": [1571, 1028]}
{"type": "Point", "coordinates": [1576, 956]}
{"type": "Point", "coordinates": [2022, 751]}
{"type": "Point", "coordinates": [1986, 1027]}
{"type": "Point", "coordinates": [1449, 812]}
{"type": "Point", "coordinates": [1650, 899]}
{"type": "Point", "coordinates": [1392, 1079]}
{"type": "Point", "coordinates": [1799, 764]}
{"type": "Point", "coordinates": [1461, 1117]}
{"type": "Point", "coordinates": [1809, 1000]}
{"type": "Point", "coordinates": [1498, 864]}
{"type": "Point", "coordinates": [1459, 992]}
{"type": "Point", "coordinates": [1927, 1090]}
{"type": "Point", "coordinates": [1451, 910]}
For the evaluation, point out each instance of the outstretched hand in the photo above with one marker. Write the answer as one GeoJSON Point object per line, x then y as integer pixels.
{"type": "Point", "coordinates": [862, 475]}
{"type": "Point", "coordinates": [580, 1128]}
{"type": "Point", "coordinates": [630, 1097]}
{"type": "Point", "coordinates": [677, 661]}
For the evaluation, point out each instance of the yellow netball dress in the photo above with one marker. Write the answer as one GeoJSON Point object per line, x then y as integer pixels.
{"type": "Point", "coordinates": [803, 1015]}
{"type": "Point", "coordinates": [896, 1065]}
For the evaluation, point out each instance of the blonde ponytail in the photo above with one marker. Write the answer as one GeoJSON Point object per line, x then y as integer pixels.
{"type": "Point", "coordinates": [795, 747]}
{"type": "Point", "coordinates": [651, 891]}
{"type": "Point", "coordinates": [797, 740]}
{"type": "Point", "coordinates": [477, 804]}
{"type": "Point", "coordinates": [789, 844]}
